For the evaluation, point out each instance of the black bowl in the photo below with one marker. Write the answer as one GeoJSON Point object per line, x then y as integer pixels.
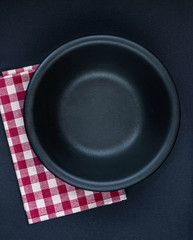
{"type": "Point", "coordinates": [101, 113]}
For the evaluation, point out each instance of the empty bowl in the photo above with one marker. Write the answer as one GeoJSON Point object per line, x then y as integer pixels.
{"type": "Point", "coordinates": [101, 113]}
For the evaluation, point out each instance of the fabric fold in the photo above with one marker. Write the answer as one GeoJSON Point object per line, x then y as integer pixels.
{"type": "Point", "coordinates": [44, 195]}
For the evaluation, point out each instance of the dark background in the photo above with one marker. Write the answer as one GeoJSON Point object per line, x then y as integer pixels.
{"type": "Point", "coordinates": [159, 208]}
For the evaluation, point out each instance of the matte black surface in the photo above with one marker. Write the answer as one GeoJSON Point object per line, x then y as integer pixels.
{"type": "Point", "coordinates": [101, 113]}
{"type": "Point", "coordinates": [161, 206]}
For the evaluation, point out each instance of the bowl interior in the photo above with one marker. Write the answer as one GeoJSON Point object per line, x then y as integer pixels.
{"type": "Point", "coordinates": [101, 113]}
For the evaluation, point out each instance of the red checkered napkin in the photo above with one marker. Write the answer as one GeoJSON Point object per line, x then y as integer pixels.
{"type": "Point", "coordinates": [44, 196]}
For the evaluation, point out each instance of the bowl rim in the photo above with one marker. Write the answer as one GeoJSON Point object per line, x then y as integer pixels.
{"type": "Point", "coordinates": [77, 181]}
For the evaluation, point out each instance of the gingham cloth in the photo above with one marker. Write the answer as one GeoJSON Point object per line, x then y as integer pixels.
{"type": "Point", "coordinates": [44, 195]}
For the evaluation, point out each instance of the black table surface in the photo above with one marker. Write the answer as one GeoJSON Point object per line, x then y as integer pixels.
{"type": "Point", "coordinates": [160, 207]}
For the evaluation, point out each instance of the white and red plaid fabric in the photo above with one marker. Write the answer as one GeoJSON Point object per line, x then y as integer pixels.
{"type": "Point", "coordinates": [44, 195]}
